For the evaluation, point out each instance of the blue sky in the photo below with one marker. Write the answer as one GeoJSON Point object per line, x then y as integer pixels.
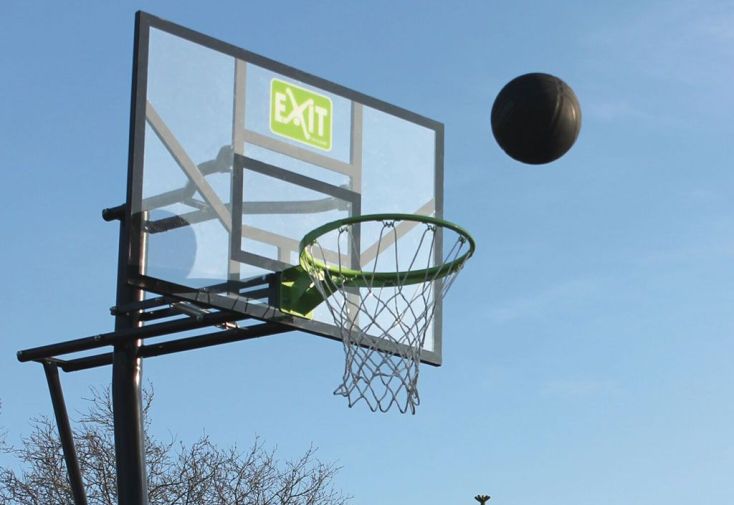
{"type": "Point", "coordinates": [587, 351]}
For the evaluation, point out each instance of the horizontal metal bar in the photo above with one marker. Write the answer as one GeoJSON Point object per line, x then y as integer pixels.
{"type": "Point", "coordinates": [207, 213]}
{"type": "Point", "coordinates": [226, 286]}
{"type": "Point", "coordinates": [113, 338]}
{"type": "Point", "coordinates": [211, 339]}
{"type": "Point", "coordinates": [155, 285]}
{"type": "Point", "coordinates": [299, 153]}
{"type": "Point", "coordinates": [260, 261]}
{"type": "Point", "coordinates": [150, 303]}
{"type": "Point", "coordinates": [74, 365]}
{"type": "Point", "coordinates": [179, 345]}
{"type": "Point", "coordinates": [159, 314]}
{"type": "Point", "coordinates": [295, 178]}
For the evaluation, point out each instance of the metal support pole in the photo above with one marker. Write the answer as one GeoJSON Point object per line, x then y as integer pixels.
{"type": "Point", "coordinates": [127, 371]}
{"type": "Point", "coordinates": [65, 434]}
{"type": "Point", "coordinates": [127, 374]}
{"type": "Point", "coordinates": [128, 418]}
{"type": "Point", "coordinates": [127, 367]}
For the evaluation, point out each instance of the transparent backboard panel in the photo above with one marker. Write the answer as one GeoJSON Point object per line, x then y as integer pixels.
{"type": "Point", "coordinates": [237, 157]}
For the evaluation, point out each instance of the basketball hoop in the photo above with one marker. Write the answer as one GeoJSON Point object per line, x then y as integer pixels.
{"type": "Point", "coordinates": [383, 297]}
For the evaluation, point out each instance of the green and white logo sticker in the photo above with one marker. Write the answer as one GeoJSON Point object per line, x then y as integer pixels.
{"type": "Point", "coordinates": [300, 114]}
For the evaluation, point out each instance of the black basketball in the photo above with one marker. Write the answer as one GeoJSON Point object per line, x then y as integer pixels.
{"type": "Point", "coordinates": [536, 118]}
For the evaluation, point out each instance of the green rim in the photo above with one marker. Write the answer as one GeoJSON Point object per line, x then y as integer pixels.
{"type": "Point", "coordinates": [358, 277]}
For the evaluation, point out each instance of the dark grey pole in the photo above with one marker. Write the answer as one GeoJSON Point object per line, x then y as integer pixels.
{"type": "Point", "coordinates": [65, 434]}
{"type": "Point", "coordinates": [128, 418]}
{"type": "Point", "coordinates": [127, 371]}
{"type": "Point", "coordinates": [127, 367]}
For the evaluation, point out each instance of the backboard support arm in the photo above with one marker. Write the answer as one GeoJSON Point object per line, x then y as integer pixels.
{"type": "Point", "coordinates": [65, 434]}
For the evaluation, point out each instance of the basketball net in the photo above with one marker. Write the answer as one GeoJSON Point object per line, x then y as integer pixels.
{"type": "Point", "coordinates": [384, 311]}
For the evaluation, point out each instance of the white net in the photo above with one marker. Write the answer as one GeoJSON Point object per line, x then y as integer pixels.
{"type": "Point", "coordinates": [381, 280]}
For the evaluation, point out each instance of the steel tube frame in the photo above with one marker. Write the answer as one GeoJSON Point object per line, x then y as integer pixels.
{"type": "Point", "coordinates": [211, 339]}
{"type": "Point", "coordinates": [123, 335]}
{"type": "Point", "coordinates": [66, 436]}
{"type": "Point", "coordinates": [178, 345]}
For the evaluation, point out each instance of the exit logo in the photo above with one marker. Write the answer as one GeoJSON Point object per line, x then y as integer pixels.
{"type": "Point", "coordinates": [300, 114]}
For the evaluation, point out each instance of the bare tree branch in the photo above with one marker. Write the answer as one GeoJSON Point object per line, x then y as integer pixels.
{"type": "Point", "coordinates": [178, 474]}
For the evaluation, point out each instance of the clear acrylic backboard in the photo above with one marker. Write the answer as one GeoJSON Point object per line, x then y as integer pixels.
{"type": "Point", "coordinates": [237, 157]}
